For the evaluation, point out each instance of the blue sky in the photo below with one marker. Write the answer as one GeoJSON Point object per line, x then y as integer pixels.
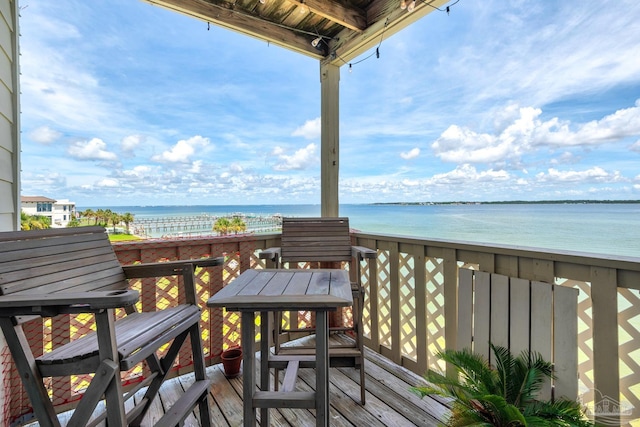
{"type": "Point", "coordinates": [125, 103]}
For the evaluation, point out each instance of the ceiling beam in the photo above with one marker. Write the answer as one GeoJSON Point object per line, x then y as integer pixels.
{"type": "Point", "coordinates": [385, 18]}
{"type": "Point", "coordinates": [224, 15]}
{"type": "Point", "coordinates": [351, 18]}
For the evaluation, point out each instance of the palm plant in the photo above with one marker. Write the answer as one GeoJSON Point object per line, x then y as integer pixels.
{"type": "Point", "coordinates": [127, 218]}
{"type": "Point", "coordinates": [34, 222]}
{"type": "Point", "coordinates": [99, 216]}
{"type": "Point", "coordinates": [222, 226]}
{"type": "Point", "coordinates": [501, 396]}
{"type": "Point", "coordinates": [88, 214]}
{"type": "Point", "coordinates": [238, 225]}
{"type": "Point", "coordinates": [114, 218]}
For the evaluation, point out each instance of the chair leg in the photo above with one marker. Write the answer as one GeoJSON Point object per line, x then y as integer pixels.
{"type": "Point", "coordinates": [199, 372]}
{"type": "Point", "coordinates": [108, 351]}
{"type": "Point", "coordinates": [362, 385]}
{"type": "Point", "coordinates": [31, 378]}
{"type": "Point", "coordinates": [277, 327]}
{"type": "Point", "coordinates": [162, 368]}
{"type": "Point", "coordinates": [357, 325]}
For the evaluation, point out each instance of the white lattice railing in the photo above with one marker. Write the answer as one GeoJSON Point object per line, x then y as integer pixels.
{"type": "Point", "coordinates": [410, 302]}
{"type": "Point", "coordinates": [411, 312]}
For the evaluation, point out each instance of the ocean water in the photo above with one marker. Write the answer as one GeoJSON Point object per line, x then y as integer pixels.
{"type": "Point", "coordinates": [610, 229]}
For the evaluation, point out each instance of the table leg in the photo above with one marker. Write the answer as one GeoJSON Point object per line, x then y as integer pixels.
{"type": "Point", "coordinates": [249, 368]}
{"type": "Point", "coordinates": [264, 364]}
{"type": "Point", "coordinates": [322, 369]}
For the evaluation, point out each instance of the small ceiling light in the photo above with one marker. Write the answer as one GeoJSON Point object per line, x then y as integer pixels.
{"type": "Point", "coordinates": [303, 8]}
{"type": "Point", "coordinates": [411, 6]}
{"type": "Point", "coordinates": [403, 4]}
{"type": "Point", "coordinates": [262, 1]}
{"type": "Point", "coordinates": [316, 41]}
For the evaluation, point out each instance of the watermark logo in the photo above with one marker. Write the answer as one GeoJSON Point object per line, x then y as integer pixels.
{"type": "Point", "coordinates": [606, 409]}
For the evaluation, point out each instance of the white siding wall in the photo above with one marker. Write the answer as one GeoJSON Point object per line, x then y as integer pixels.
{"type": "Point", "coordinates": [9, 140]}
{"type": "Point", "coordinates": [9, 113]}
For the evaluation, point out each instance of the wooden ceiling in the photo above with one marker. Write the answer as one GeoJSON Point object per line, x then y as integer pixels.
{"type": "Point", "coordinates": [347, 28]}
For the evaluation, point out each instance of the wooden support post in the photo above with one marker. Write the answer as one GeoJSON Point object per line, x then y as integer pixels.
{"type": "Point", "coordinates": [330, 138]}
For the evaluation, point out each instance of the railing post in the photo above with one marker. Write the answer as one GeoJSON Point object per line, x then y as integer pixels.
{"type": "Point", "coordinates": [422, 335]}
{"type": "Point", "coordinates": [396, 309]}
{"type": "Point", "coordinates": [450, 273]}
{"type": "Point", "coordinates": [604, 303]}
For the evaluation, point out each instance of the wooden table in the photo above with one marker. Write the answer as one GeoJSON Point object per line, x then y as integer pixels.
{"type": "Point", "coordinates": [267, 291]}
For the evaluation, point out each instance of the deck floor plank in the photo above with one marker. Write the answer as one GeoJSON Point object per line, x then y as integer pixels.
{"type": "Point", "coordinates": [298, 417]}
{"type": "Point", "coordinates": [390, 401]}
{"type": "Point", "coordinates": [225, 397]}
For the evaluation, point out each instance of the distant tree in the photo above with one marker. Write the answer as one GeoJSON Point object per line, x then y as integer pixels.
{"type": "Point", "coordinates": [100, 215]}
{"type": "Point", "coordinates": [114, 218]}
{"type": "Point", "coordinates": [73, 222]}
{"type": "Point", "coordinates": [34, 222]}
{"type": "Point", "coordinates": [88, 214]}
{"type": "Point", "coordinates": [222, 226]}
{"type": "Point", "coordinates": [237, 225]}
{"type": "Point", "coordinates": [127, 218]}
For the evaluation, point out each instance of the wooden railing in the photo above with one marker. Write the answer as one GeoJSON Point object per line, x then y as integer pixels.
{"type": "Point", "coordinates": [410, 304]}
{"type": "Point", "coordinates": [411, 311]}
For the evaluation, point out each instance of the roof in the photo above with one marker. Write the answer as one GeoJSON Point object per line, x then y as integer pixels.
{"type": "Point", "coordinates": [33, 199]}
{"type": "Point", "coordinates": [332, 30]}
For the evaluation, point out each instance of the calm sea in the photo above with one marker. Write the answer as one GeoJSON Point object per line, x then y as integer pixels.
{"type": "Point", "coordinates": [612, 229]}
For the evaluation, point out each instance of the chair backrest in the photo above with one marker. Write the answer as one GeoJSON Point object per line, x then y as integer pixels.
{"type": "Point", "coordinates": [521, 315]}
{"type": "Point", "coordinates": [58, 260]}
{"type": "Point", "coordinates": [315, 240]}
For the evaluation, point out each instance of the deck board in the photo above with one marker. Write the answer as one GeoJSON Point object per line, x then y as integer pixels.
{"type": "Point", "coordinates": [389, 398]}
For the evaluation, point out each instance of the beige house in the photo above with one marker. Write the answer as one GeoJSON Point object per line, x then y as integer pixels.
{"type": "Point", "coordinates": [60, 212]}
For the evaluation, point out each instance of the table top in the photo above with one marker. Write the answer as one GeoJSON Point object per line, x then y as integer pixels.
{"type": "Point", "coordinates": [270, 289]}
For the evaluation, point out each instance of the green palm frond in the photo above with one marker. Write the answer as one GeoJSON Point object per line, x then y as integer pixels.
{"type": "Point", "coordinates": [561, 412]}
{"type": "Point", "coordinates": [530, 373]}
{"type": "Point", "coordinates": [504, 395]}
{"type": "Point", "coordinates": [443, 386]}
{"type": "Point", "coordinates": [474, 369]}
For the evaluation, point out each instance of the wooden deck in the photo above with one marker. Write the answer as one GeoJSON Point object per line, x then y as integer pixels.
{"type": "Point", "coordinates": [390, 401]}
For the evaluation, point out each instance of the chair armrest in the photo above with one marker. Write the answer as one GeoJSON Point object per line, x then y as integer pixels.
{"type": "Point", "coordinates": [65, 302]}
{"type": "Point", "coordinates": [360, 252]}
{"type": "Point", "coordinates": [171, 268]}
{"type": "Point", "coordinates": [271, 254]}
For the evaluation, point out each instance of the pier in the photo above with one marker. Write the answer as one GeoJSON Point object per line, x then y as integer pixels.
{"type": "Point", "coordinates": [200, 225]}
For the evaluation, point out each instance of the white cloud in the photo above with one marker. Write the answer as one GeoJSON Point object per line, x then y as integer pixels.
{"type": "Point", "coordinates": [301, 159]}
{"type": "Point", "coordinates": [411, 154]}
{"type": "Point", "coordinates": [595, 174]}
{"type": "Point", "coordinates": [94, 149]}
{"type": "Point", "coordinates": [466, 174]}
{"type": "Point", "coordinates": [45, 135]}
{"type": "Point", "coordinates": [521, 131]}
{"type": "Point", "coordinates": [235, 168]}
{"type": "Point", "coordinates": [461, 145]}
{"type": "Point", "coordinates": [108, 182]}
{"type": "Point", "coordinates": [310, 129]}
{"type": "Point", "coordinates": [614, 127]}
{"type": "Point", "coordinates": [635, 146]}
{"type": "Point", "coordinates": [182, 151]}
{"type": "Point", "coordinates": [130, 142]}
{"type": "Point", "coordinates": [196, 166]}
{"type": "Point", "coordinates": [138, 171]}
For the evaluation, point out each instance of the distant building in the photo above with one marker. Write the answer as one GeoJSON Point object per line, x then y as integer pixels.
{"type": "Point", "coordinates": [59, 211]}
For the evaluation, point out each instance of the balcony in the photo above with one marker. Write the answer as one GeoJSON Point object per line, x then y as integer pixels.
{"type": "Point", "coordinates": [410, 313]}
